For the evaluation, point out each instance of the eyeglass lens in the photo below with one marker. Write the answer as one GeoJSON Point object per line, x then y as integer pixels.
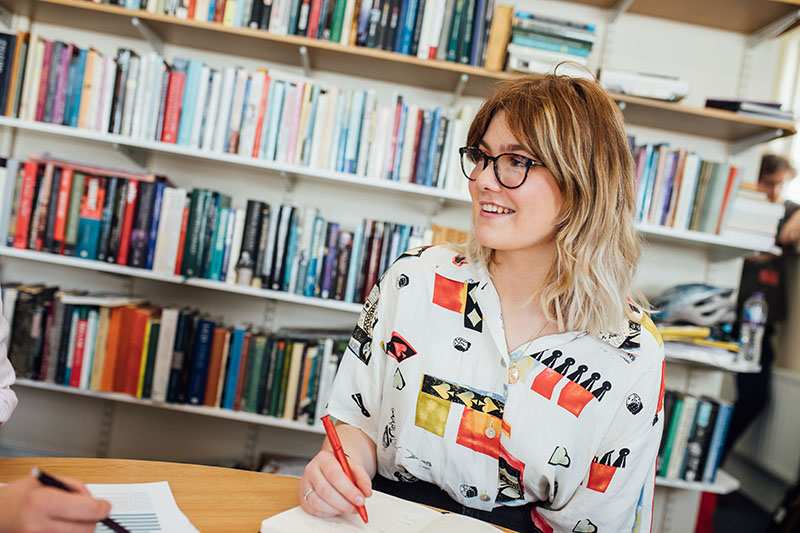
{"type": "Point", "coordinates": [510, 169]}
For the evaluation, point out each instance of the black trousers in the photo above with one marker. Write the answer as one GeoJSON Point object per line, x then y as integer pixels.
{"type": "Point", "coordinates": [753, 395]}
{"type": "Point", "coordinates": [515, 518]}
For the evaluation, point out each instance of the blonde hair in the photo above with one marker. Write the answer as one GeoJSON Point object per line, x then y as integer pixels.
{"type": "Point", "coordinates": [577, 131]}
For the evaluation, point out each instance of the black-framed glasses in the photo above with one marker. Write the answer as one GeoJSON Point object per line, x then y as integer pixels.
{"type": "Point", "coordinates": [511, 170]}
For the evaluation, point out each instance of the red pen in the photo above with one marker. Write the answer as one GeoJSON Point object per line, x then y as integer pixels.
{"type": "Point", "coordinates": [336, 444]}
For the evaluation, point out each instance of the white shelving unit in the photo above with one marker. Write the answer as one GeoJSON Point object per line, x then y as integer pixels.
{"type": "Point", "coordinates": [712, 361]}
{"type": "Point", "coordinates": [723, 484]}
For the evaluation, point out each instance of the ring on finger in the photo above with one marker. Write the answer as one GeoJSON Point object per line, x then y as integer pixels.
{"type": "Point", "coordinates": [307, 493]}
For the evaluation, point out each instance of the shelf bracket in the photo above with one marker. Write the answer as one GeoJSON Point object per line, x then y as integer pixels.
{"type": "Point", "coordinates": [305, 60]}
{"type": "Point", "coordinates": [773, 29]}
{"type": "Point", "coordinates": [288, 185]}
{"type": "Point", "coordinates": [437, 208]}
{"type": "Point", "coordinates": [620, 8]}
{"type": "Point", "coordinates": [757, 138]}
{"type": "Point", "coordinates": [136, 155]}
{"type": "Point", "coordinates": [462, 83]}
{"type": "Point", "coordinates": [106, 424]}
{"type": "Point", "coordinates": [156, 42]}
{"type": "Point", "coordinates": [622, 105]}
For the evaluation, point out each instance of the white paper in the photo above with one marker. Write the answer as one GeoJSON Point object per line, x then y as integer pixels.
{"type": "Point", "coordinates": [142, 507]}
{"type": "Point", "coordinates": [386, 514]}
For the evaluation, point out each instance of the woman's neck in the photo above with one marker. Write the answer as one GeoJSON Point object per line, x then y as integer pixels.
{"type": "Point", "coordinates": [517, 275]}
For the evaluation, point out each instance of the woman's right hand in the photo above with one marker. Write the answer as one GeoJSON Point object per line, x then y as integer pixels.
{"type": "Point", "coordinates": [333, 493]}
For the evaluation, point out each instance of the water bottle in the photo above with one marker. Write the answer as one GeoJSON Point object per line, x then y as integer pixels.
{"type": "Point", "coordinates": [751, 331]}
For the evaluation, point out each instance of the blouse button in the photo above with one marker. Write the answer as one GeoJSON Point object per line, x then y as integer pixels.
{"type": "Point", "coordinates": [484, 497]}
{"type": "Point", "coordinates": [490, 432]}
{"type": "Point", "coordinates": [503, 363]}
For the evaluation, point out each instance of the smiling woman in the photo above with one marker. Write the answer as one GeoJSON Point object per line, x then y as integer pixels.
{"type": "Point", "coordinates": [516, 378]}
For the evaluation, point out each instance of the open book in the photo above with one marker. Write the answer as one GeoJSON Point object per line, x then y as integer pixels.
{"type": "Point", "coordinates": [387, 514]}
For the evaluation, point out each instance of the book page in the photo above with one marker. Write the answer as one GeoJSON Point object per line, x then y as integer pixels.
{"type": "Point", "coordinates": [142, 507]}
{"type": "Point", "coordinates": [386, 514]}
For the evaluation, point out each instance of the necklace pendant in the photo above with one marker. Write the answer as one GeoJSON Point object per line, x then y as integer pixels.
{"type": "Point", "coordinates": [513, 374]}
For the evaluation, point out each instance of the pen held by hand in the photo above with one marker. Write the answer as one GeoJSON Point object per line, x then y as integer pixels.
{"type": "Point", "coordinates": [338, 452]}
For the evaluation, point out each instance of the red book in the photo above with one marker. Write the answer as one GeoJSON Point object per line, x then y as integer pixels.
{"type": "Point", "coordinates": [133, 359]}
{"type": "Point", "coordinates": [113, 346]}
{"type": "Point", "coordinates": [313, 19]}
{"type": "Point", "coordinates": [38, 230]}
{"type": "Point", "coordinates": [237, 400]}
{"type": "Point", "coordinates": [393, 151]}
{"type": "Point", "coordinates": [374, 259]}
{"type": "Point", "coordinates": [172, 109]}
{"type": "Point", "coordinates": [732, 175]}
{"type": "Point", "coordinates": [261, 112]}
{"type": "Point", "coordinates": [59, 229]}
{"type": "Point", "coordinates": [182, 241]}
{"type": "Point", "coordinates": [214, 367]}
{"type": "Point", "coordinates": [219, 10]}
{"type": "Point", "coordinates": [119, 366]}
{"type": "Point", "coordinates": [25, 205]}
{"type": "Point", "coordinates": [80, 348]}
{"type": "Point", "coordinates": [417, 137]}
{"type": "Point", "coordinates": [127, 221]}
{"type": "Point", "coordinates": [45, 66]}
{"type": "Point", "coordinates": [191, 9]}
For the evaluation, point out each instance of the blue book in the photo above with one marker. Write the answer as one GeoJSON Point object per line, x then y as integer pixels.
{"type": "Point", "coordinates": [189, 102]}
{"type": "Point", "coordinates": [397, 45]}
{"type": "Point", "coordinates": [77, 92]}
{"type": "Point", "coordinates": [401, 134]}
{"type": "Point", "coordinates": [132, 4]}
{"type": "Point", "coordinates": [641, 193]}
{"type": "Point", "coordinates": [211, 7]}
{"type": "Point", "coordinates": [717, 441]}
{"type": "Point", "coordinates": [238, 15]}
{"type": "Point", "coordinates": [291, 250]}
{"type": "Point", "coordinates": [88, 237]}
{"type": "Point", "coordinates": [649, 184]}
{"type": "Point", "coordinates": [234, 360]}
{"type": "Point", "coordinates": [337, 132]}
{"type": "Point", "coordinates": [311, 272]}
{"type": "Point", "coordinates": [72, 74]}
{"type": "Point", "coordinates": [151, 245]}
{"type": "Point", "coordinates": [218, 244]}
{"type": "Point", "coordinates": [433, 147]}
{"type": "Point", "coordinates": [422, 156]}
{"type": "Point", "coordinates": [352, 268]}
{"type": "Point", "coordinates": [274, 120]}
{"type": "Point", "coordinates": [312, 123]}
{"type": "Point", "coordinates": [540, 44]}
{"type": "Point", "coordinates": [407, 29]}
{"type": "Point", "coordinates": [477, 32]}
{"type": "Point", "coordinates": [342, 126]}
{"type": "Point", "coordinates": [293, 12]}
{"type": "Point", "coordinates": [200, 359]}
{"type": "Point", "coordinates": [669, 177]}
{"type": "Point", "coordinates": [354, 132]}
{"type": "Point", "coordinates": [404, 236]}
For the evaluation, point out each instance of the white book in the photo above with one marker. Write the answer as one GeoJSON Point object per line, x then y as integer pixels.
{"type": "Point", "coordinates": [303, 252]}
{"type": "Point", "coordinates": [229, 230]}
{"type": "Point", "coordinates": [319, 129]}
{"type": "Point", "coordinates": [154, 105]}
{"type": "Point", "coordinates": [368, 120]}
{"type": "Point", "coordinates": [658, 186]}
{"type": "Point", "coordinates": [104, 109]}
{"type": "Point", "coordinates": [33, 76]}
{"type": "Point", "coordinates": [201, 10]}
{"type": "Point", "coordinates": [326, 373]}
{"type": "Point", "coordinates": [298, 351]}
{"type": "Point", "coordinates": [131, 88]}
{"type": "Point", "coordinates": [437, 27]}
{"type": "Point", "coordinates": [377, 153]}
{"type": "Point", "coordinates": [166, 227]}
{"type": "Point", "coordinates": [236, 246]}
{"type": "Point", "coordinates": [89, 348]}
{"type": "Point", "coordinates": [342, 109]}
{"type": "Point", "coordinates": [210, 127]}
{"type": "Point", "coordinates": [250, 119]}
{"type": "Point", "coordinates": [98, 91]}
{"type": "Point", "coordinates": [138, 106]}
{"type": "Point", "coordinates": [232, 136]}
{"type": "Point", "coordinates": [266, 267]}
{"type": "Point", "coordinates": [388, 156]}
{"type": "Point", "coordinates": [200, 106]}
{"type": "Point", "coordinates": [276, 17]}
{"type": "Point", "coordinates": [407, 159]}
{"type": "Point", "coordinates": [681, 437]}
{"type": "Point", "coordinates": [285, 124]}
{"type": "Point", "coordinates": [683, 209]}
{"type": "Point", "coordinates": [9, 304]}
{"type": "Point", "coordinates": [224, 109]}
{"type": "Point", "coordinates": [164, 351]}
{"type": "Point", "coordinates": [347, 22]}
{"type": "Point", "coordinates": [176, 218]}
{"type": "Point", "coordinates": [286, 14]}
{"type": "Point", "coordinates": [141, 117]}
{"type": "Point", "coordinates": [330, 122]}
{"type": "Point", "coordinates": [424, 43]}
{"type": "Point", "coordinates": [444, 35]}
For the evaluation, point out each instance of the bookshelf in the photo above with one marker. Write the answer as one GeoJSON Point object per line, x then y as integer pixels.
{"type": "Point", "coordinates": [706, 360]}
{"type": "Point", "coordinates": [723, 484]}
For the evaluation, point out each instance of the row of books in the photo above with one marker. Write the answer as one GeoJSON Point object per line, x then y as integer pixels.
{"type": "Point", "coordinates": [539, 43]}
{"type": "Point", "coordinates": [679, 189]}
{"type": "Point", "coordinates": [115, 343]}
{"type": "Point", "coordinates": [693, 437]}
{"type": "Point", "coordinates": [263, 115]}
{"type": "Point", "coordinates": [139, 220]}
{"type": "Point", "coordinates": [760, 109]}
{"type": "Point", "coordinates": [753, 215]}
{"type": "Point", "coordinates": [448, 30]}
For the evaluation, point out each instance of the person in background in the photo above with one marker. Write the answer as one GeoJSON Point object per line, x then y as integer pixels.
{"type": "Point", "coordinates": [26, 506]}
{"type": "Point", "coordinates": [766, 273]}
{"type": "Point", "coordinates": [515, 378]}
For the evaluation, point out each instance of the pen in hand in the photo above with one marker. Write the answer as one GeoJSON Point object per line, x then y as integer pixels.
{"type": "Point", "coordinates": [50, 481]}
{"type": "Point", "coordinates": [338, 452]}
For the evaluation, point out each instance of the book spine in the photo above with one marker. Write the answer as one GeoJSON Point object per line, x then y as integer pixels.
{"type": "Point", "coordinates": [25, 205]}
{"type": "Point", "coordinates": [200, 362]}
{"type": "Point", "coordinates": [131, 194]}
{"type": "Point", "coordinates": [172, 108]}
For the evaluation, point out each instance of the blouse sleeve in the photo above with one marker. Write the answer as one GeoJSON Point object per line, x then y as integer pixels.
{"type": "Point", "coordinates": [617, 492]}
{"type": "Point", "coordinates": [357, 389]}
{"type": "Point", "coordinates": [8, 400]}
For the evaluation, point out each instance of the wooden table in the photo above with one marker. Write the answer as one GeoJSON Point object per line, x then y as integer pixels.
{"type": "Point", "coordinates": [217, 500]}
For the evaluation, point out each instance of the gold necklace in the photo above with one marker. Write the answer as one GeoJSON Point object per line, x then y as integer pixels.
{"type": "Point", "coordinates": [513, 371]}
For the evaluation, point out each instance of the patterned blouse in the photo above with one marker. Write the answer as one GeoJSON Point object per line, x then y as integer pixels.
{"type": "Point", "coordinates": [8, 400]}
{"type": "Point", "coordinates": [571, 421]}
